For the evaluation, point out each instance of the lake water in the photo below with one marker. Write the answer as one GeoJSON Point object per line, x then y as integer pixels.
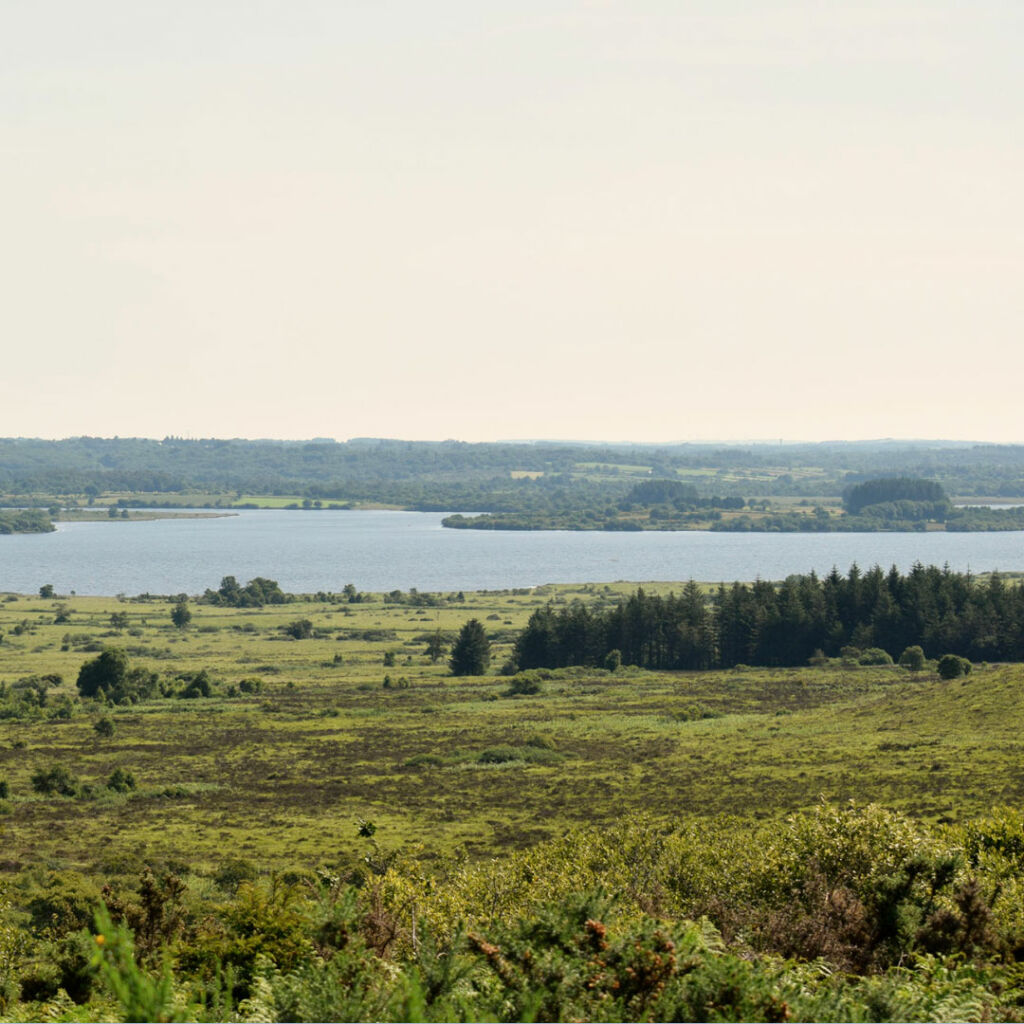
{"type": "Point", "coordinates": [380, 551]}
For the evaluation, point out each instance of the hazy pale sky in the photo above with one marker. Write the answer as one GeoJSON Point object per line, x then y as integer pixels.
{"type": "Point", "coordinates": [642, 220]}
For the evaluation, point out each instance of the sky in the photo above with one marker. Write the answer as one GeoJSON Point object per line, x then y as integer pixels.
{"type": "Point", "coordinates": [647, 220]}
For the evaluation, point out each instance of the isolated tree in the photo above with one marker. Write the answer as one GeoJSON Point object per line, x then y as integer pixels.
{"type": "Point", "coordinates": [912, 659]}
{"type": "Point", "coordinates": [109, 675]}
{"type": "Point", "coordinates": [46, 590]}
{"type": "Point", "coordinates": [436, 647]}
{"type": "Point", "coordinates": [181, 616]}
{"type": "Point", "coordinates": [471, 653]}
{"type": "Point", "coordinates": [107, 671]}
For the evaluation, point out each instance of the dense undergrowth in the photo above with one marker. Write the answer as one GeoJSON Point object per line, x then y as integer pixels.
{"type": "Point", "coordinates": [843, 913]}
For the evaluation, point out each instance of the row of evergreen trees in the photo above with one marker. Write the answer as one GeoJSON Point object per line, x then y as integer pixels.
{"type": "Point", "coordinates": [785, 624]}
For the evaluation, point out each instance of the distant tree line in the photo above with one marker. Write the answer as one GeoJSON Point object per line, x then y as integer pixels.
{"type": "Point", "coordinates": [786, 624]}
{"type": "Point", "coordinates": [450, 475]}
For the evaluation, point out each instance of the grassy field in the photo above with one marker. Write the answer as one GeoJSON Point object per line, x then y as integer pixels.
{"type": "Point", "coordinates": [441, 764]}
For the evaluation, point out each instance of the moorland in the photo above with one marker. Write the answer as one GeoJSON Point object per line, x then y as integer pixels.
{"type": "Point", "coordinates": [293, 809]}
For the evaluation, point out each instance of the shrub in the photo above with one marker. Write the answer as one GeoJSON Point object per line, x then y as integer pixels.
{"type": "Point", "coordinates": [952, 665]}
{"type": "Point", "coordinates": [55, 780]}
{"type": "Point", "coordinates": [300, 629]}
{"type": "Point", "coordinates": [524, 685]}
{"type": "Point", "coordinates": [250, 685]}
{"type": "Point", "coordinates": [197, 685]}
{"type": "Point", "coordinates": [121, 781]}
{"type": "Point", "coordinates": [912, 659]}
{"type": "Point", "coordinates": [613, 660]}
{"type": "Point", "coordinates": [694, 712]}
{"type": "Point", "coordinates": [111, 676]}
{"type": "Point", "coordinates": [104, 727]}
{"type": "Point", "coordinates": [5, 789]}
{"type": "Point", "coordinates": [874, 656]}
{"type": "Point", "coordinates": [233, 871]}
{"type": "Point", "coordinates": [505, 754]}
{"type": "Point", "coordinates": [63, 903]}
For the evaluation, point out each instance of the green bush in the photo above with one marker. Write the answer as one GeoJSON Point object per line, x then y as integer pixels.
{"type": "Point", "coordinates": [528, 753]}
{"type": "Point", "coordinates": [912, 659]}
{"type": "Point", "coordinates": [56, 780]}
{"type": "Point", "coordinates": [874, 656]}
{"type": "Point", "coordinates": [525, 684]}
{"type": "Point", "coordinates": [197, 685]}
{"type": "Point", "coordinates": [62, 903]}
{"type": "Point", "coordinates": [233, 871]}
{"type": "Point", "coordinates": [111, 676]}
{"type": "Point", "coordinates": [121, 781]}
{"type": "Point", "coordinates": [952, 665]}
{"type": "Point", "coordinates": [300, 629]}
{"type": "Point", "coordinates": [104, 727]}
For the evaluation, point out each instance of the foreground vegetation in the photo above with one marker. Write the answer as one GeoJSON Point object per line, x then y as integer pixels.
{"type": "Point", "coordinates": [300, 813]}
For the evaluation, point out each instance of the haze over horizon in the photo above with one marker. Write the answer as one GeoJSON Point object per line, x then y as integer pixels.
{"type": "Point", "coordinates": [575, 218]}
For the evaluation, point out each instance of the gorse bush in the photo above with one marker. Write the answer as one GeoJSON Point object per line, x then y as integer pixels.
{"type": "Point", "coordinates": [844, 913]}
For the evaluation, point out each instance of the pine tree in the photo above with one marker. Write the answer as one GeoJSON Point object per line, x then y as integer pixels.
{"type": "Point", "coordinates": [471, 653]}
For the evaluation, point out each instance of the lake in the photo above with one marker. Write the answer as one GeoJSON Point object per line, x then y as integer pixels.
{"type": "Point", "coordinates": [381, 551]}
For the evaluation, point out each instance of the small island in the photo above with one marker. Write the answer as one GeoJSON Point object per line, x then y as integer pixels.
{"type": "Point", "coordinates": [890, 504]}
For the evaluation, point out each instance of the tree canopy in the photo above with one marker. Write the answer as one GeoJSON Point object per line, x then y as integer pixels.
{"type": "Point", "coordinates": [784, 624]}
{"type": "Point", "coordinates": [893, 489]}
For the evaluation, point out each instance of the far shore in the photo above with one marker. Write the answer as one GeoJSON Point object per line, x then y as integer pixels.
{"type": "Point", "coordinates": [96, 515]}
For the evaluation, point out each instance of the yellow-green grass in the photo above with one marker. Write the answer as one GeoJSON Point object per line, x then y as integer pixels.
{"type": "Point", "coordinates": [282, 776]}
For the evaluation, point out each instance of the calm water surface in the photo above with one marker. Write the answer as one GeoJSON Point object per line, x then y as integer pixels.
{"type": "Point", "coordinates": [310, 551]}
